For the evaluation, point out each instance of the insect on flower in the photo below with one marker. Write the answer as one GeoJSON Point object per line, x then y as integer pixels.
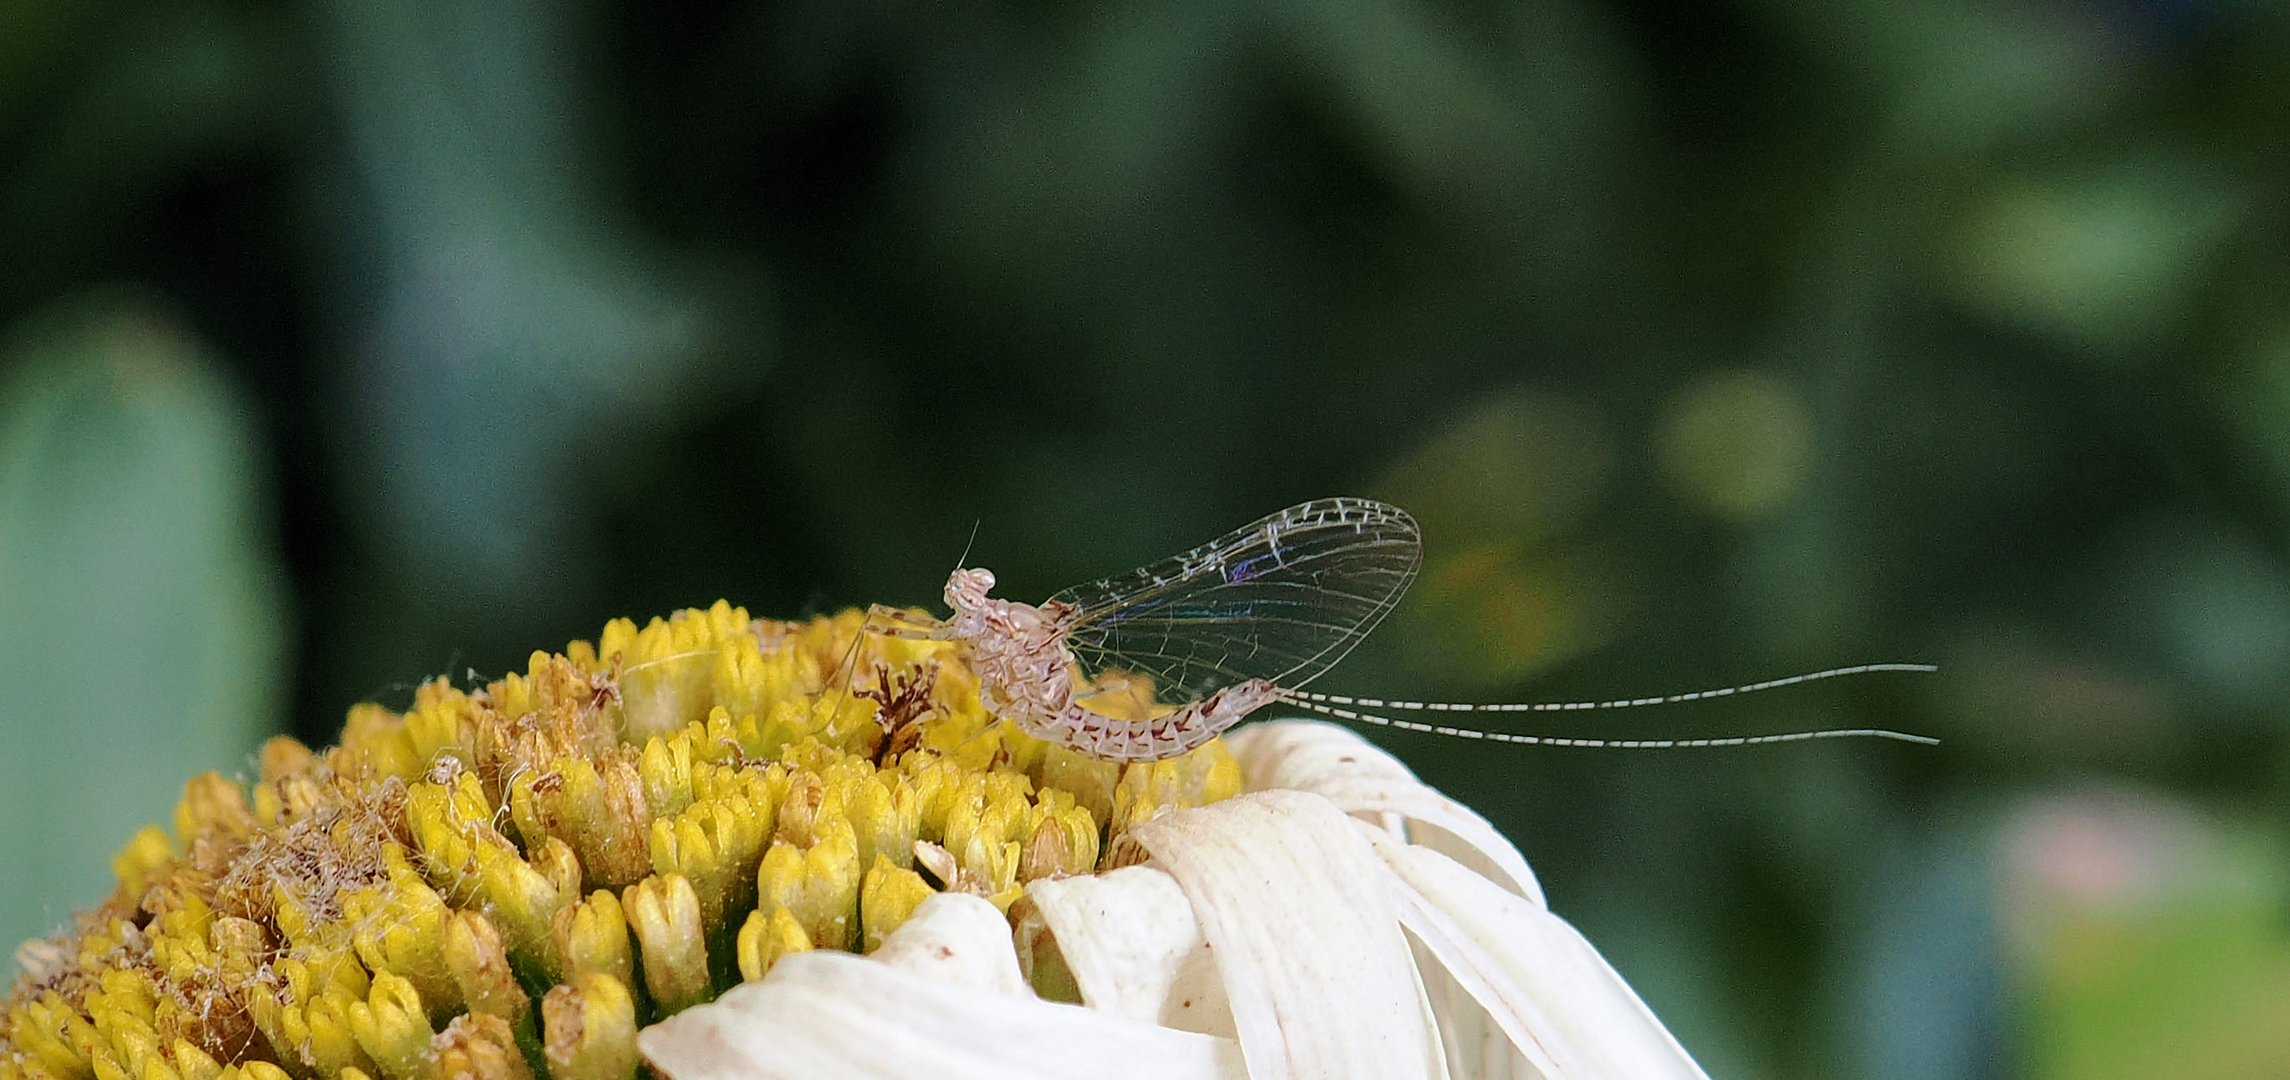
{"type": "Point", "coordinates": [1241, 622]}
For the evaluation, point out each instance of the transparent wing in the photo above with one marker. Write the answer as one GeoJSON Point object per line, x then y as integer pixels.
{"type": "Point", "coordinates": [1282, 599]}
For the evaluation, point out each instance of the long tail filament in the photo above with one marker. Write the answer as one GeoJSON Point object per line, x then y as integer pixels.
{"type": "Point", "coordinates": [1336, 705]}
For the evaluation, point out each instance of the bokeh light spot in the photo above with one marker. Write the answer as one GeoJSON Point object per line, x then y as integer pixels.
{"type": "Point", "coordinates": [1516, 467]}
{"type": "Point", "coordinates": [1737, 443]}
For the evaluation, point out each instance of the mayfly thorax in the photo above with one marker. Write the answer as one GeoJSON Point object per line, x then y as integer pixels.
{"type": "Point", "coordinates": [1209, 636]}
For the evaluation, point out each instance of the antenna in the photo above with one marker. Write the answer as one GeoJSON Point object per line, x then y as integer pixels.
{"type": "Point", "coordinates": [965, 556]}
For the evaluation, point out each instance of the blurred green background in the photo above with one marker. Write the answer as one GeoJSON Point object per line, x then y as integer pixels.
{"type": "Point", "coordinates": [351, 343]}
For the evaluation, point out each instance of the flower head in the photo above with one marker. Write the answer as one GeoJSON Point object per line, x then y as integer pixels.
{"type": "Point", "coordinates": [512, 880]}
{"type": "Point", "coordinates": [1339, 919]}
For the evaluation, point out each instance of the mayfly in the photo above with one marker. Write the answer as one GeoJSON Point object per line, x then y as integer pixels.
{"type": "Point", "coordinates": [1236, 624]}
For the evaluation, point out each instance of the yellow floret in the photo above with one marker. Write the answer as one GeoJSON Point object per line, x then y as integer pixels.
{"type": "Point", "coordinates": [505, 881]}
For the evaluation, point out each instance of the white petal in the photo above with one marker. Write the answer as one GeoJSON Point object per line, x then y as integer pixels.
{"type": "Point", "coordinates": [959, 939]}
{"type": "Point", "coordinates": [1334, 761]}
{"type": "Point", "coordinates": [1476, 1048]}
{"type": "Point", "coordinates": [1301, 919]}
{"type": "Point", "coordinates": [1133, 946]}
{"type": "Point", "coordinates": [834, 1014]}
{"type": "Point", "coordinates": [1541, 982]}
{"type": "Point", "coordinates": [1437, 1067]}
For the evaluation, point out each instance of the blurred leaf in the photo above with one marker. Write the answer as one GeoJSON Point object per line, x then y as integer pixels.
{"type": "Point", "coordinates": [508, 327]}
{"type": "Point", "coordinates": [2153, 940]}
{"type": "Point", "coordinates": [2108, 256]}
{"type": "Point", "coordinates": [1927, 997]}
{"type": "Point", "coordinates": [139, 610]}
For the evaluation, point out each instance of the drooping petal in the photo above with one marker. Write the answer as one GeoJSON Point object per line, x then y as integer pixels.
{"type": "Point", "coordinates": [1301, 920]}
{"type": "Point", "coordinates": [1336, 763]}
{"type": "Point", "coordinates": [1540, 981]}
{"type": "Point", "coordinates": [1131, 942]}
{"type": "Point", "coordinates": [957, 939]}
{"type": "Point", "coordinates": [821, 1014]}
{"type": "Point", "coordinates": [1476, 1047]}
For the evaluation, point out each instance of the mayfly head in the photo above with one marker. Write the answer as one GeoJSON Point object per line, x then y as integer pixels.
{"type": "Point", "coordinates": [966, 590]}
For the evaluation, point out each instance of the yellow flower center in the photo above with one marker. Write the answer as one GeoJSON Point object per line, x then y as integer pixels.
{"type": "Point", "coordinates": [622, 831]}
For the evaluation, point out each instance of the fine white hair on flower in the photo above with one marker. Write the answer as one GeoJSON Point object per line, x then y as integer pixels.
{"type": "Point", "coordinates": [1341, 919]}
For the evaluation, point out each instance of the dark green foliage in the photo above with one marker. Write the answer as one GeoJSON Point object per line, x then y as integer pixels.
{"type": "Point", "coordinates": [1709, 344]}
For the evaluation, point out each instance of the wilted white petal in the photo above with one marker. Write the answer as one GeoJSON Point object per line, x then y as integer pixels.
{"type": "Point", "coordinates": [1300, 916]}
{"type": "Point", "coordinates": [1131, 942]}
{"type": "Point", "coordinates": [1565, 1007]}
{"type": "Point", "coordinates": [959, 939]}
{"type": "Point", "coordinates": [1335, 762]}
{"type": "Point", "coordinates": [833, 1014]}
{"type": "Point", "coordinates": [1477, 1049]}
{"type": "Point", "coordinates": [1436, 1068]}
